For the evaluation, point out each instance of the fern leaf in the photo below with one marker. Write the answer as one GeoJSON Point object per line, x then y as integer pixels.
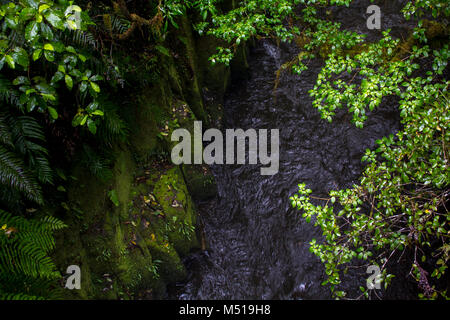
{"type": "Point", "coordinates": [26, 270]}
{"type": "Point", "coordinates": [14, 174]}
{"type": "Point", "coordinates": [5, 132]}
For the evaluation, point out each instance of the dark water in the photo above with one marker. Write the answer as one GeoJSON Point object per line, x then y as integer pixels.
{"type": "Point", "coordinates": [258, 245]}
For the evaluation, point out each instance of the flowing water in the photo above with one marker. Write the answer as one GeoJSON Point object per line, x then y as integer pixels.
{"type": "Point", "coordinates": [258, 245]}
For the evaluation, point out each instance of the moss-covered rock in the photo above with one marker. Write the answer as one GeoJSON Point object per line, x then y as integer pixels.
{"type": "Point", "coordinates": [173, 196]}
{"type": "Point", "coordinates": [128, 247]}
{"type": "Point", "coordinates": [128, 234]}
{"type": "Point", "coordinates": [193, 95]}
{"type": "Point", "coordinates": [149, 112]}
{"type": "Point", "coordinates": [200, 181]}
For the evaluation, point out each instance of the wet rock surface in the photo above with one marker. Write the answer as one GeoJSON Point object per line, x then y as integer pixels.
{"type": "Point", "coordinates": [258, 245]}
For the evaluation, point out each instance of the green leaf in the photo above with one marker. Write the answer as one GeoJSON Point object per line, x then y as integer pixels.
{"type": "Point", "coordinates": [47, 32]}
{"type": "Point", "coordinates": [83, 121]}
{"type": "Point", "coordinates": [163, 50]}
{"type": "Point", "coordinates": [82, 58]}
{"type": "Point", "coordinates": [10, 61]}
{"type": "Point", "coordinates": [48, 96]}
{"type": "Point", "coordinates": [54, 20]}
{"type": "Point", "coordinates": [32, 103]}
{"type": "Point", "coordinates": [37, 54]}
{"type": "Point", "coordinates": [57, 77]}
{"type": "Point", "coordinates": [98, 113]}
{"type": "Point", "coordinates": [75, 73]}
{"type": "Point", "coordinates": [72, 24]}
{"type": "Point", "coordinates": [113, 197]}
{"type": "Point", "coordinates": [92, 106]}
{"type": "Point", "coordinates": [91, 126]}
{"type": "Point", "coordinates": [77, 120]}
{"type": "Point", "coordinates": [31, 31]}
{"type": "Point", "coordinates": [75, 8]}
{"type": "Point", "coordinates": [43, 7]}
{"type": "Point", "coordinates": [12, 23]}
{"type": "Point", "coordinates": [95, 87]}
{"type": "Point", "coordinates": [83, 86]}
{"type": "Point", "coordinates": [21, 57]}
{"type": "Point", "coordinates": [97, 77]}
{"type": "Point", "coordinates": [69, 81]}
{"type": "Point", "coordinates": [30, 91]}
{"type": "Point", "coordinates": [53, 113]}
{"type": "Point", "coordinates": [71, 49]}
{"type": "Point", "coordinates": [49, 55]}
{"type": "Point", "coordinates": [27, 13]}
{"type": "Point", "coordinates": [32, 3]}
{"type": "Point", "coordinates": [49, 47]}
{"type": "Point", "coordinates": [21, 80]}
{"type": "Point", "coordinates": [58, 46]}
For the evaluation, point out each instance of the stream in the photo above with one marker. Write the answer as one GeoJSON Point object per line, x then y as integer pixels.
{"type": "Point", "coordinates": [258, 245]}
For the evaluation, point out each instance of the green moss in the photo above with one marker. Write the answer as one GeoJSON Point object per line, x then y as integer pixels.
{"type": "Point", "coordinates": [149, 111]}
{"type": "Point", "coordinates": [123, 173]}
{"type": "Point", "coordinates": [435, 29]}
{"type": "Point", "coordinates": [172, 269]}
{"type": "Point", "coordinates": [214, 77]}
{"type": "Point", "coordinates": [172, 194]}
{"type": "Point", "coordinates": [86, 200]}
{"type": "Point", "coordinates": [193, 95]}
{"type": "Point", "coordinates": [174, 78]}
{"type": "Point", "coordinates": [71, 252]}
{"type": "Point", "coordinates": [133, 250]}
{"type": "Point", "coordinates": [114, 241]}
{"type": "Point", "coordinates": [200, 181]}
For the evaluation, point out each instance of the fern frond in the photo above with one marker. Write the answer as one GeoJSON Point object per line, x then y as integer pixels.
{"type": "Point", "coordinates": [113, 127]}
{"type": "Point", "coordinates": [5, 132]}
{"type": "Point", "coordinates": [8, 94]}
{"type": "Point", "coordinates": [26, 127]}
{"type": "Point", "coordinates": [11, 199]}
{"type": "Point", "coordinates": [26, 271]}
{"type": "Point", "coordinates": [43, 170]}
{"type": "Point", "coordinates": [18, 296]}
{"type": "Point", "coordinates": [80, 38]}
{"type": "Point", "coordinates": [21, 287]}
{"type": "Point", "coordinates": [26, 130]}
{"type": "Point", "coordinates": [25, 249]}
{"type": "Point", "coordinates": [96, 164]}
{"type": "Point", "coordinates": [119, 25]}
{"type": "Point", "coordinates": [14, 174]}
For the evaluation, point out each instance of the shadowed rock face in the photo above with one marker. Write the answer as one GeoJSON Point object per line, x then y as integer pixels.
{"type": "Point", "coordinates": [259, 245]}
